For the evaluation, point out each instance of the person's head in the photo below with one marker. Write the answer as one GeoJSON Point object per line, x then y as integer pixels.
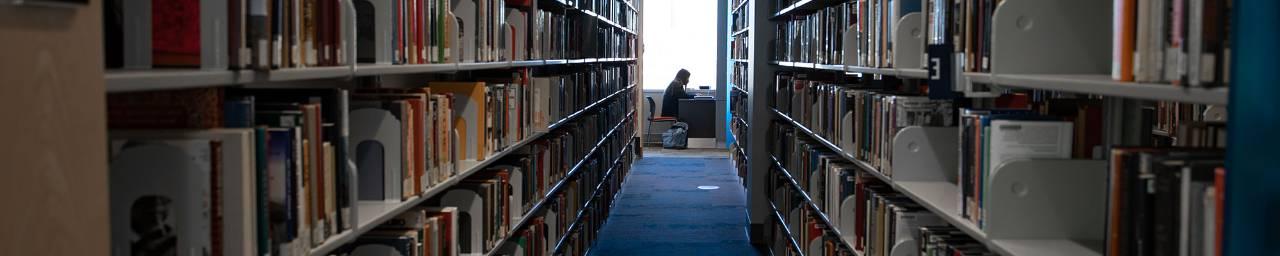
{"type": "Point", "coordinates": [682, 77]}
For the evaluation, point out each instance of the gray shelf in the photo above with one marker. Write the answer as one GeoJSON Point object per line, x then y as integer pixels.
{"type": "Point", "coordinates": [898, 72]}
{"type": "Point", "coordinates": [1101, 84]}
{"type": "Point", "coordinates": [585, 207]}
{"type": "Point", "coordinates": [308, 73]}
{"type": "Point", "coordinates": [804, 7]}
{"type": "Point", "coordinates": [573, 172]}
{"type": "Point", "coordinates": [821, 216]}
{"type": "Point", "coordinates": [389, 69]}
{"type": "Point", "coordinates": [609, 22]}
{"type": "Point", "coordinates": [372, 213]}
{"type": "Point", "coordinates": [159, 79]}
{"type": "Point", "coordinates": [169, 79]}
{"type": "Point", "coordinates": [777, 216]}
{"type": "Point", "coordinates": [740, 5]}
{"type": "Point", "coordinates": [940, 198]}
{"type": "Point", "coordinates": [740, 32]}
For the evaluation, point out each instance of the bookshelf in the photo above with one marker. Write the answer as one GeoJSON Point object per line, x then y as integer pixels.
{"type": "Point", "coordinates": [169, 79]}
{"type": "Point", "coordinates": [590, 57]}
{"type": "Point", "coordinates": [939, 197]}
{"type": "Point", "coordinates": [740, 38]}
{"type": "Point", "coordinates": [373, 213]}
{"type": "Point", "coordinates": [1066, 56]}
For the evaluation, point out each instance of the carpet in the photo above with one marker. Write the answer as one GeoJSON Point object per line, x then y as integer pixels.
{"type": "Point", "coordinates": [661, 211]}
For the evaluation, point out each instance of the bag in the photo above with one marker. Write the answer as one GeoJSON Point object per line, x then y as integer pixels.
{"type": "Point", "coordinates": [676, 137]}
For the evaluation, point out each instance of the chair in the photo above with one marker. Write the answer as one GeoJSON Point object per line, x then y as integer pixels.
{"type": "Point", "coordinates": [652, 118]}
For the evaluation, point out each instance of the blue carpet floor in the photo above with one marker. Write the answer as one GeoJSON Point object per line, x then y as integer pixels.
{"type": "Point", "coordinates": [661, 211]}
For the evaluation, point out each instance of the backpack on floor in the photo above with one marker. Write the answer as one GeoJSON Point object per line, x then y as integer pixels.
{"type": "Point", "coordinates": [676, 137]}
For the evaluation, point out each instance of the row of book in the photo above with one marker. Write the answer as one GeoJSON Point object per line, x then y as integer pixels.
{"type": "Point", "coordinates": [232, 171]}
{"type": "Point", "coordinates": [959, 32]}
{"type": "Point", "coordinates": [280, 163]}
{"type": "Point", "coordinates": [1165, 201]}
{"type": "Point", "coordinates": [617, 11]}
{"type": "Point", "coordinates": [861, 118]}
{"type": "Point", "coordinates": [740, 75]}
{"type": "Point", "coordinates": [479, 213]}
{"type": "Point", "coordinates": [1183, 42]}
{"type": "Point", "coordinates": [854, 32]}
{"type": "Point", "coordinates": [740, 47]}
{"type": "Point", "coordinates": [1186, 125]}
{"type": "Point", "coordinates": [949, 241]}
{"type": "Point", "coordinates": [578, 90]}
{"type": "Point", "coordinates": [740, 17]}
{"type": "Point", "coordinates": [871, 218]}
{"type": "Point", "coordinates": [576, 35]}
{"type": "Point", "coordinates": [278, 34]}
{"type": "Point", "coordinates": [580, 205]}
{"type": "Point", "coordinates": [807, 231]}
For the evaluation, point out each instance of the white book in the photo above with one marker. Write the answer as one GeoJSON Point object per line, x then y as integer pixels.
{"type": "Point", "coordinates": [1019, 139]}
{"type": "Point", "coordinates": [160, 192]}
{"type": "Point", "coordinates": [238, 176]}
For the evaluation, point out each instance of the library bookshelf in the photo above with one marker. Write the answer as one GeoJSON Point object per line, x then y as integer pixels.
{"type": "Point", "coordinates": [1048, 50]}
{"type": "Point", "coordinates": [559, 82]}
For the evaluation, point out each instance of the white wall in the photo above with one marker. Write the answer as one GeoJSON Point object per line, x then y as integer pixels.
{"type": "Point", "coordinates": [679, 34]}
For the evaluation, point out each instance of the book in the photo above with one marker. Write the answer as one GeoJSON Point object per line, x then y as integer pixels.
{"type": "Point", "coordinates": [164, 190]}
{"type": "Point", "coordinates": [239, 174]}
{"type": "Point", "coordinates": [175, 109]}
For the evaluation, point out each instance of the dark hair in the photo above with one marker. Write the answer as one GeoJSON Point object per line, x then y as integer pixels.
{"type": "Point", "coordinates": [683, 74]}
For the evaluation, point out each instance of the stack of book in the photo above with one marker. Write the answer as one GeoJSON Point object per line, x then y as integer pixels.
{"type": "Point", "coordinates": [1165, 41]}
{"type": "Point", "coordinates": [1165, 201]}
{"type": "Point", "coordinates": [237, 171]}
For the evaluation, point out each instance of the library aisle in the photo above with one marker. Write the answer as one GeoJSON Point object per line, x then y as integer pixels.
{"type": "Point", "coordinates": [661, 210]}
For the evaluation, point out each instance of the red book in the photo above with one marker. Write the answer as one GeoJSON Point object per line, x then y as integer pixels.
{"type": "Point", "coordinates": [175, 33]}
{"type": "Point", "coordinates": [1220, 188]}
{"type": "Point", "coordinates": [173, 109]}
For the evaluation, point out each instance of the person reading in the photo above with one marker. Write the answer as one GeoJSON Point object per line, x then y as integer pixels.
{"type": "Point", "coordinates": [675, 91]}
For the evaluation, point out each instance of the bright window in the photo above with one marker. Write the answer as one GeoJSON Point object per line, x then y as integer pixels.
{"type": "Point", "coordinates": [679, 34]}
